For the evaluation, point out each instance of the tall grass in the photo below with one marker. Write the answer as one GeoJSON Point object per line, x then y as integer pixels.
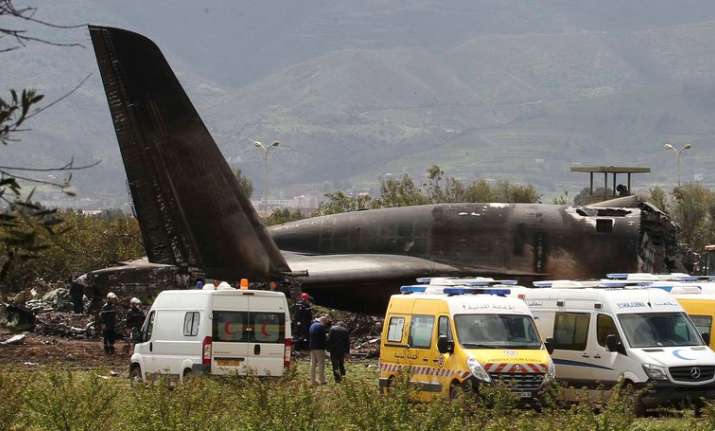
{"type": "Point", "coordinates": [62, 400]}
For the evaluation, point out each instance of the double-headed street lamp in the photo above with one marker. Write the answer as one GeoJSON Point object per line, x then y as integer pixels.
{"type": "Point", "coordinates": [266, 155]}
{"type": "Point", "coordinates": [678, 154]}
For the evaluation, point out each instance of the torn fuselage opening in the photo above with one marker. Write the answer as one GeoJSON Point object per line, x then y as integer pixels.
{"type": "Point", "coordinates": [659, 251]}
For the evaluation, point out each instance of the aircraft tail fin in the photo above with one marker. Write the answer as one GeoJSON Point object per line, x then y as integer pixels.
{"type": "Point", "coordinates": [186, 197]}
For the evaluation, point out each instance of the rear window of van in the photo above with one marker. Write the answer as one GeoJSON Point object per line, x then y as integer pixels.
{"type": "Point", "coordinates": [248, 327]}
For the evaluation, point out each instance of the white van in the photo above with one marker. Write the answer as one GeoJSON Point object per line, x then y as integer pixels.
{"type": "Point", "coordinates": [676, 283]}
{"type": "Point", "coordinates": [214, 332]}
{"type": "Point", "coordinates": [602, 334]}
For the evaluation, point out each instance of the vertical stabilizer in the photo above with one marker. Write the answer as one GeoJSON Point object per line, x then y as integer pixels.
{"type": "Point", "coordinates": [187, 199]}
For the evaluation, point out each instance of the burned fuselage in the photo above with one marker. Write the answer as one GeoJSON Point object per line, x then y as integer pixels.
{"type": "Point", "coordinates": [523, 241]}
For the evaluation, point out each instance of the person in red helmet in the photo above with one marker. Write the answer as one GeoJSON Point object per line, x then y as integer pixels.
{"type": "Point", "coordinates": [303, 317]}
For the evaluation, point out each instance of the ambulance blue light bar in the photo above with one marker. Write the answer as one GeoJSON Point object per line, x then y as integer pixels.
{"type": "Point", "coordinates": [415, 288]}
{"type": "Point", "coordinates": [621, 283]}
{"type": "Point", "coordinates": [489, 282]}
{"type": "Point", "coordinates": [543, 284]}
{"type": "Point", "coordinates": [450, 291]}
{"type": "Point", "coordinates": [618, 276]}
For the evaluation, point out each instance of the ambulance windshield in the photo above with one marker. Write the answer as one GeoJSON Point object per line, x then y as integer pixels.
{"type": "Point", "coordinates": [659, 330]}
{"type": "Point", "coordinates": [495, 331]}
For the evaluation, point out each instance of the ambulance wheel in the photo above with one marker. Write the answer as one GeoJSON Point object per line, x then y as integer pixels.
{"type": "Point", "coordinates": [135, 375]}
{"type": "Point", "coordinates": [385, 390]}
{"type": "Point", "coordinates": [187, 375]}
{"type": "Point", "coordinates": [639, 408]}
{"type": "Point", "coordinates": [456, 388]}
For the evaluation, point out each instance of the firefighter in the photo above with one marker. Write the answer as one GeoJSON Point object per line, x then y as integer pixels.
{"type": "Point", "coordinates": [303, 317]}
{"type": "Point", "coordinates": [135, 320]}
{"type": "Point", "coordinates": [108, 319]}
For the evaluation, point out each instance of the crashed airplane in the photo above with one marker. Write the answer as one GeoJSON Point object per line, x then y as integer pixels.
{"type": "Point", "coordinates": [193, 214]}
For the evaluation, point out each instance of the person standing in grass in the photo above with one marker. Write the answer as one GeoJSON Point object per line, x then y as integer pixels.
{"type": "Point", "coordinates": [135, 320]}
{"type": "Point", "coordinates": [339, 348]}
{"type": "Point", "coordinates": [108, 319]}
{"type": "Point", "coordinates": [302, 317]}
{"type": "Point", "coordinates": [317, 344]}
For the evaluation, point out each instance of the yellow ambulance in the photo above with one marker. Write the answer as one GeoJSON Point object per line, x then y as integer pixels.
{"type": "Point", "coordinates": [701, 310]}
{"type": "Point", "coordinates": [461, 336]}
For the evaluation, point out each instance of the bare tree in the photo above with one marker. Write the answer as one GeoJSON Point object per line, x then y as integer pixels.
{"type": "Point", "coordinates": [26, 226]}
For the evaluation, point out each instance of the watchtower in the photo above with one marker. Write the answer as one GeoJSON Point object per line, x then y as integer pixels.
{"type": "Point", "coordinates": [614, 171]}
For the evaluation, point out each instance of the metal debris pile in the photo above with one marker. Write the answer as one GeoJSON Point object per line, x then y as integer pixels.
{"type": "Point", "coordinates": [364, 334]}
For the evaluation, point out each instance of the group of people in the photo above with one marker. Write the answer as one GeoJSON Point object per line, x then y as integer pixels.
{"type": "Point", "coordinates": [333, 338]}
{"type": "Point", "coordinates": [320, 336]}
{"type": "Point", "coordinates": [108, 318]}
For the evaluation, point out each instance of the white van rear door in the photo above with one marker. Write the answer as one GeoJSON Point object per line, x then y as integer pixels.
{"type": "Point", "coordinates": [266, 352]}
{"type": "Point", "coordinates": [230, 334]}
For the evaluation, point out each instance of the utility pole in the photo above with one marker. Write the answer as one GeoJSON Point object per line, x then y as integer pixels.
{"type": "Point", "coordinates": [678, 154]}
{"type": "Point", "coordinates": [266, 156]}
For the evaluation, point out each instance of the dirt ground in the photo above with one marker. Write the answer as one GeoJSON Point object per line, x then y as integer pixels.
{"type": "Point", "coordinates": [40, 348]}
{"type": "Point", "coordinates": [48, 350]}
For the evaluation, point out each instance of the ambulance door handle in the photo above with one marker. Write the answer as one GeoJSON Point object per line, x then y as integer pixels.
{"type": "Point", "coordinates": [597, 356]}
{"type": "Point", "coordinates": [425, 359]}
{"type": "Point", "coordinates": [151, 347]}
{"type": "Point", "coordinates": [257, 349]}
{"type": "Point", "coordinates": [585, 355]}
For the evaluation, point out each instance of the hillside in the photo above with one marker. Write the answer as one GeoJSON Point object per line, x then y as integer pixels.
{"type": "Point", "coordinates": [496, 89]}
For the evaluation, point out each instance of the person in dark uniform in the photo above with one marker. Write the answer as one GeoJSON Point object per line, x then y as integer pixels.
{"type": "Point", "coordinates": [77, 296]}
{"type": "Point", "coordinates": [303, 317]}
{"type": "Point", "coordinates": [108, 319]}
{"type": "Point", "coordinates": [135, 320]}
{"type": "Point", "coordinates": [339, 348]}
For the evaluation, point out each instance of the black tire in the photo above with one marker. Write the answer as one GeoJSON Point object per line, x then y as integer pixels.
{"type": "Point", "coordinates": [456, 388]}
{"type": "Point", "coordinates": [385, 390]}
{"type": "Point", "coordinates": [639, 408]}
{"type": "Point", "coordinates": [187, 375]}
{"type": "Point", "coordinates": [135, 375]}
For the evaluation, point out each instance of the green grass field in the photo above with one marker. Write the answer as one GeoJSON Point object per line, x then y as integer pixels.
{"type": "Point", "coordinates": [55, 399]}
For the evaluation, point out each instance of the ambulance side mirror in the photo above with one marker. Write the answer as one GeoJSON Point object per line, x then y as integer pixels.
{"type": "Point", "coordinates": [613, 344]}
{"type": "Point", "coordinates": [549, 344]}
{"type": "Point", "coordinates": [445, 345]}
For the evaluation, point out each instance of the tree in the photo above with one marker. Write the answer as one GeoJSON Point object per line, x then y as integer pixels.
{"type": "Point", "coordinates": [693, 209]}
{"type": "Point", "coordinates": [26, 227]}
{"type": "Point", "coordinates": [87, 242]}
{"type": "Point", "coordinates": [585, 197]}
{"type": "Point", "coordinates": [438, 188]}
{"type": "Point", "coordinates": [283, 215]}
{"type": "Point", "coordinates": [562, 199]}
{"type": "Point", "coordinates": [659, 198]}
{"type": "Point", "coordinates": [244, 183]}
{"type": "Point", "coordinates": [340, 202]}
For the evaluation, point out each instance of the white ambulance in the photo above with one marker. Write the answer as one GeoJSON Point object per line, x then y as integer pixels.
{"type": "Point", "coordinates": [601, 332]}
{"type": "Point", "coordinates": [677, 283]}
{"type": "Point", "coordinates": [227, 331]}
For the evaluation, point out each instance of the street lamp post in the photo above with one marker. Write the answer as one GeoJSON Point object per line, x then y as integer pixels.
{"type": "Point", "coordinates": [266, 156]}
{"type": "Point", "coordinates": [678, 154]}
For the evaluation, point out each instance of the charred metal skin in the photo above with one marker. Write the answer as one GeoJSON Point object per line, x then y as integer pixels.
{"type": "Point", "coordinates": [185, 195]}
{"type": "Point", "coordinates": [193, 214]}
{"type": "Point", "coordinates": [522, 241]}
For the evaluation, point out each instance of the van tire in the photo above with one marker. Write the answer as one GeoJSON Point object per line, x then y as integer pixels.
{"type": "Point", "coordinates": [639, 408]}
{"type": "Point", "coordinates": [135, 375]}
{"type": "Point", "coordinates": [455, 388]}
{"type": "Point", "coordinates": [187, 374]}
{"type": "Point", "coordinates": [385, 390]}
